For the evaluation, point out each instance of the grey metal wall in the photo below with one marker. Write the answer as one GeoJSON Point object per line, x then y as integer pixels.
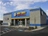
{"type": "Point", "coordinates": [35, 17]}
{"type": "Point", "coordinates": [7, 18]}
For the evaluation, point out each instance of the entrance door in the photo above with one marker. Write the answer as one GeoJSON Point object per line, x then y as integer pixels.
{"type": "Point", "coordinates": [20, 22]}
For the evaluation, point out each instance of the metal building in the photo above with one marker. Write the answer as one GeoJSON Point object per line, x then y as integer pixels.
{"type": "Point", "coordinates": [25, 18]}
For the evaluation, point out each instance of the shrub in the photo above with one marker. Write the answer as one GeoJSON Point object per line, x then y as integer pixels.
{"type": "Point", "coordinates": [30, 28]}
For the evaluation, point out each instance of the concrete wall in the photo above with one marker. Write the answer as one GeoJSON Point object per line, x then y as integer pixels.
{"type": "Point", "coordinates": [47, 20]}
{"type": "Point", "coordinates": [43, 18]}
{"type": "Point", "coordinates": [35, 18]}
{"type": "Point", "coordinates": [7, 19]}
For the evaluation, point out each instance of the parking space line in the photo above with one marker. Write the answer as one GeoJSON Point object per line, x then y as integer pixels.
{"type": "Point", "coordinates": [6, 31]}
{"type": "Point", "coordinates": [3, 31]}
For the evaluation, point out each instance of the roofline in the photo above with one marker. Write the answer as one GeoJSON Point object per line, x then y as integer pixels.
{"type": "Point", "coordinates": [22, 10]}
{"type": "Point", "coordinates": [43, 11]}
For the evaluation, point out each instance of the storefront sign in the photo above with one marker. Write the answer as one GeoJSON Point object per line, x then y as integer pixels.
{"type": "Point", "coordinates": [15, 14]}
{"type": "Point", "coordinates": [20, 14]}
{"type": "Point", "coordinates": [23, 13]}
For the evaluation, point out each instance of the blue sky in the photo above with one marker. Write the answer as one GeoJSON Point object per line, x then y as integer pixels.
{"type": "Point", "coordinates": [7, 6]}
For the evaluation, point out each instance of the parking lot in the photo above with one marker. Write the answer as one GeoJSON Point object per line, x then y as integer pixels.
{"type": "Point", "coordinates": [4, 30]}
{"type": "Point", "coordinates": [9, 31]}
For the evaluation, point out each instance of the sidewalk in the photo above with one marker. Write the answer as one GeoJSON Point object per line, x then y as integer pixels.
{"type": "Point", "coordinates": [40, 28]}
{"type": "Point", "coordinates": [36, 29]}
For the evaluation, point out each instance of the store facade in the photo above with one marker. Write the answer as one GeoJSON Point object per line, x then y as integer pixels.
{"type": "Point", "coordinates": [27, 17]}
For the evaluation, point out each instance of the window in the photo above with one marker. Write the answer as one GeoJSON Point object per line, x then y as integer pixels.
{"type": "Point", "coordinates": [41, 13]}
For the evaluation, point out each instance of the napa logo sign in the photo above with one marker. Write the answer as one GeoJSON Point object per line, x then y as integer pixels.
{"type": "Point", "coordinates": [20, 14]}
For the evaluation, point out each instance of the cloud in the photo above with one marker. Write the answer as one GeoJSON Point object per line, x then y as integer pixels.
{"type": "Point", "coordinates": [18, 4]}
{"type": "Point", "coordinates": [2, 7]}
{"type": "Point", "coordinates": [47, 12]}
{"type": "Point", "coordinates": [27, 1]}
{"type": "Point", "coordinates": [23, 4]}
{"type": "Point", "coordinates": [2, 10]}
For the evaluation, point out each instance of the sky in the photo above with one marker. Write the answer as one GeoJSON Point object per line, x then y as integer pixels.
{"type": "Point", "coordinates": [7, 6]}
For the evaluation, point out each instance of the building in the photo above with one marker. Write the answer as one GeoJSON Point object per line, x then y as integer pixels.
{"type": "Point", "coordinates": [47, 20]}
{"type": "Point", "coordinates": [25, 18]}
{"type": "Point", "coordinates": [1, 21]}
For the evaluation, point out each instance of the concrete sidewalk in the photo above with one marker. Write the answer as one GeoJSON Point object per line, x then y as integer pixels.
{"type": "Point", "coordinates": [40, 28]}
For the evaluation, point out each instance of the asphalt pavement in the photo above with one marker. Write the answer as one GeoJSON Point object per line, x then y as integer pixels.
{"type": "Point", "coordinates": [43, 32]}
{"type": "Point", "coordinates": [4, 30]}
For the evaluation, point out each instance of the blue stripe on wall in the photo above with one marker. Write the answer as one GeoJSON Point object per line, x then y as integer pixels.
{"type": "Point", "coordinates": [38, 24]}
{"type": "Point", "coordinates": [35, 24]}
{"type": "Point", "coordinates": [35, 9]}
